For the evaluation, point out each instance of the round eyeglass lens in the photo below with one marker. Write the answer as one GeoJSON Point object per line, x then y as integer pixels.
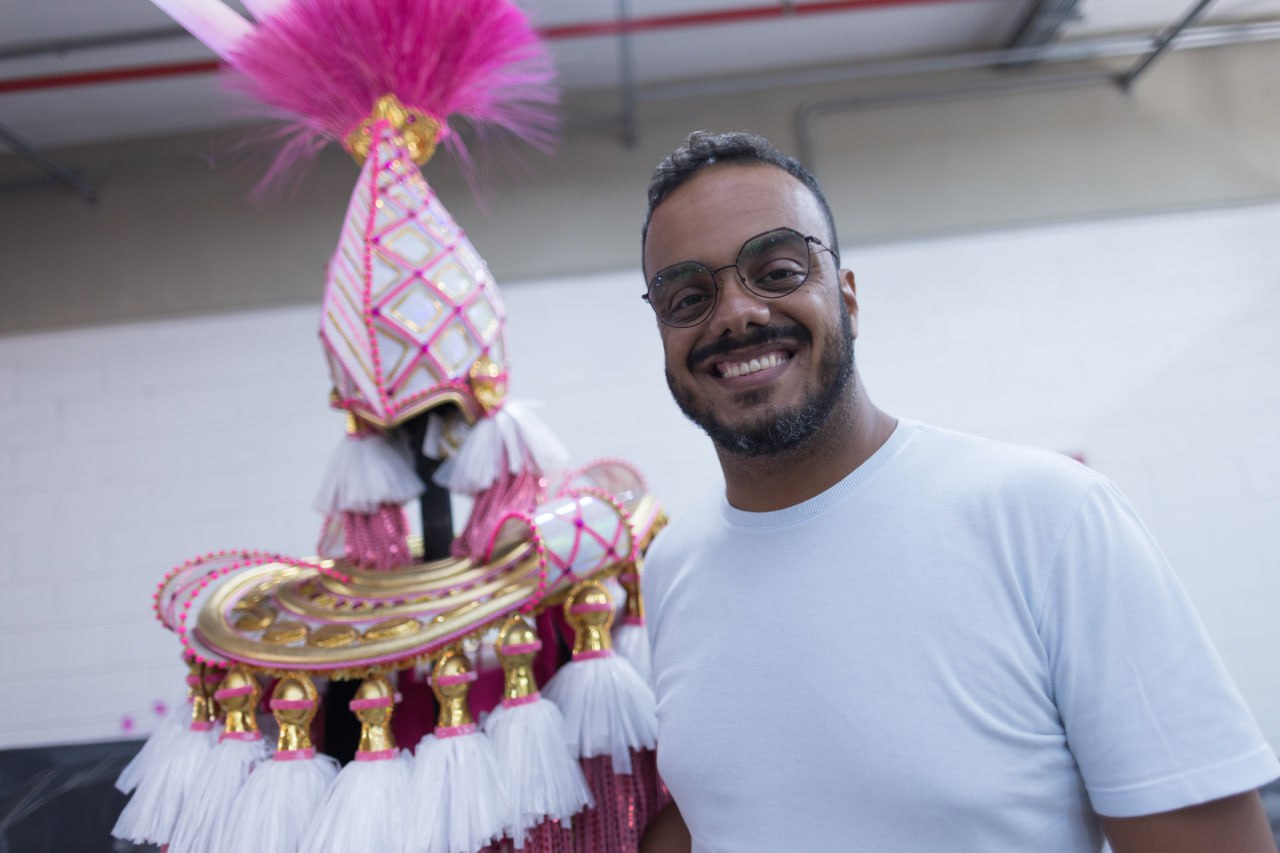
{"type": "Point", "coordinates": [775, 263]}
{"type": "Point", "coordinates": [683, 294]}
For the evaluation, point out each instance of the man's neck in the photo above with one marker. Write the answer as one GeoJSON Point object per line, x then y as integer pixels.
{"type": "Point", "coordinates": [851, 434]}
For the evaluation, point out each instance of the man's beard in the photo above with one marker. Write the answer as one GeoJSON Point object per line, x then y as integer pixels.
{"type": "Point", "coordinates": [777, 430]}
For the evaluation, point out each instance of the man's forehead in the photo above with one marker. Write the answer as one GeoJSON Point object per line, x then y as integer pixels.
{"type": "Point", "coordinates": [723, 205]}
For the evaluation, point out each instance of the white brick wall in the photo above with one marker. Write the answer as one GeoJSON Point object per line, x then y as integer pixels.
{"type": "Point", "coordinates": [1147, 344]}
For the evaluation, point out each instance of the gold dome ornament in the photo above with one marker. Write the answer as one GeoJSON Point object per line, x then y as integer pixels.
{"type": "Point", "coordinates": [545, 785]}
{"type": "Point", "coordinates": [274, 809]}
{"type": "Point", "coordinates": [456, 786]}
{"type": "Point", "coordinates": [589, 611]}
{"type": "Point", "coordinates": [373, 706]}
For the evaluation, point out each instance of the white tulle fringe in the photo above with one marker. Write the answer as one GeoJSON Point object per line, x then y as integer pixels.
{"type": "Point", "coordinates": [608, 707]}
{"type": "Point", "coordinates": [274, 810]}
{"type": "Point", "coordinates": [365, 811]}
{"type": "Point", "coordinates": [513, 436]}
{"type": "Point", "coordinates": [366, 471]}
{"type": "Point", "coordinates": [457, 795]}
{"type": "Point", "coordinates": [542, 776]}
{"type": "Point", "coordinates": [207, 807]}
{"type": "Point", "coordinates": [150, 816]}
{"type": "Point", "coordinates": [632, 642]}
{"type": "Point", "coordinates": [157, 745]}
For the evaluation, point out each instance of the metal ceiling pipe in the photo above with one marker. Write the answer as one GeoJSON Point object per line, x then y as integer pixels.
{"type": "Point", "coordinates": [1163, 43]}
{"type": "Point", "coordinates": [50, 167]}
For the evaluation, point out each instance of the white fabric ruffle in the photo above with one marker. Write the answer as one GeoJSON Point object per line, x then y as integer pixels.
{"type": "Point", "coordinates": [632, 642]}
{"type": "Point", "coordinates": [274, 809]}
{"type": "Point", "coordinates": [456, 794]}
{"type": "Point", "coordinates": [543, 777]}
{"type": "Point", "coordinates": [156, 746]}
{"type": "Point", "coordinates": [365, 810]}
{"type": "Point", "coordinates": [207, 808]}
{"type": "Point", "coordinates": [366, 471]}
{"type": "Point", "coordinates": [608, 707]}
{"type": "Point", "coordinates": [150, 816]}
{"type": "Point", "coordinates": [514, 436]}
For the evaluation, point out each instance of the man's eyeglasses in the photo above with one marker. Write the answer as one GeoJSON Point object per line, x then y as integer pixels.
{"type": "Point", "coordinates": [770, 265]}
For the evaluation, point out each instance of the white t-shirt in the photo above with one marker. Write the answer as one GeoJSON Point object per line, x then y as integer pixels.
{"type": "Point", "coordinates": [963, 646]}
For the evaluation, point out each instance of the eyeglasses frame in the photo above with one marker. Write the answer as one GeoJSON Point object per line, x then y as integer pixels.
{"type": "Point", "coordinates": [715, 276]}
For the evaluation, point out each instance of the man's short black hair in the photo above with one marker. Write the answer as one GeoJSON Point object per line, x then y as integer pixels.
{"type": "Point", "coordinates": [703, 148]}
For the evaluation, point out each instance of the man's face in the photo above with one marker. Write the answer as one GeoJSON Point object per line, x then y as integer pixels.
{"type": "Point", "coordinates": [760, 376]}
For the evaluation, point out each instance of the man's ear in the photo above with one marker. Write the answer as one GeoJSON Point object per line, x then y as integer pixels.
{"type": "Point", "coordinates": [849, 297]}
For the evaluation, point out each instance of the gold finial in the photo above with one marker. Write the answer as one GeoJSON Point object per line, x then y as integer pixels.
{"type": "Point", "coordinates": [488, 383]}
{"type": "Point", "coordinates": [203, 709]}
{"type": "Point", "coordinates": [294, 703]}
{"type": "Point", "coordinates": [418, 131]}
{"type": "Point", "coordinates": [352, 423]}
{"type": "Point", "coordinates": [238, 695]}
{"type": "Point", "coordinates": [589, 611]}
{"type": "Point", "coordinates": [373, 706]}
{"type": "Point", "coordinates": [629, 578]}
{"type": "Point", "coordinates": [517, 646]}
{"type": "Point", "coordinates": [451, 678]}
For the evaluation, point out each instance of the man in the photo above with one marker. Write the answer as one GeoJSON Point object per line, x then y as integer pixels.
{"type": "Point", "coordinates": [883, 636]}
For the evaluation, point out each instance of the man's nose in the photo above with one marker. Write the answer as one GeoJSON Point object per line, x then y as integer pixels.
{"type": "Point", "coordinates": [737, 308]}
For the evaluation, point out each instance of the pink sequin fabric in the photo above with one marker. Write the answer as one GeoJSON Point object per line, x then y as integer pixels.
{"type": "Point", "coordinates": [624, 804]}
{"type": "Point", "coordinates": [377, 540]}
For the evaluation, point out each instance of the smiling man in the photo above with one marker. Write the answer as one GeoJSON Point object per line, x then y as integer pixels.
{"type": "Point", "coordinates": [883, 636]}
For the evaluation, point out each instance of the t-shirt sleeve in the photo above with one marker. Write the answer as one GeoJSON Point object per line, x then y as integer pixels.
{"type": "Point", "coordinates": [1150, 714]}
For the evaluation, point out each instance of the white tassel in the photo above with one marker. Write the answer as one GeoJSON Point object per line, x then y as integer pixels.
{"type": "Point", "coordinates": [156, 746]}
{"type": "Point", "coordinates": [274, 809]}
{"type": "Point", "coordinates": [457, 794]}
{"type": "Point", "coordinates": [366, 809]}
{"type": "Point", "coordinates": [631, 640]}
{"type": "Point", "coordinates": [609, 708]}
{"type": "Point", "coordinates": [445, 435]}
{"type": "Point", "coordinates": [513, 433]}
{"type": "Point", "coordinates": [544, 780]}
{"type": "Point", "coordinates": [152, 813]}
{"type": "Point", "coordinates": [366, 471]}
{"type": "Point", "coordinates": [207, 808]}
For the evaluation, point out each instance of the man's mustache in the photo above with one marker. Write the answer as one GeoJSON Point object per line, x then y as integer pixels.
{"type": "Point", "coordinates": [758, 337]}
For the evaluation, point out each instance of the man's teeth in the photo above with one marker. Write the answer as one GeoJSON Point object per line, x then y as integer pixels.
{"type": "Point", "coordinates": [755, 365]}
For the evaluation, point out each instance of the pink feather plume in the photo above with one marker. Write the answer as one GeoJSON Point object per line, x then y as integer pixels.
{"type": "Point", "coordinates": [324, 63]}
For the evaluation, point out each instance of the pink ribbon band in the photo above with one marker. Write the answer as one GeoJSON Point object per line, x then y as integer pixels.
{"type": "Point", "coordinates": [456, 678]}
{"type": "Point", "coordinates": [291, 704]}
{"type": "Point", "coordinates": [212, 678]}
{"type": "Point", "coordinates": [375, 755]}
{"type": "Point", "coordinates": [629, 577]}
{"type": "Point", "coordinates": [366, 704]}
{"type": "Point", "coordinates": [515, 702]}
{"type": "Point", "coordinates": [229, 692]}
{"type": "Point", "coordinates": [246, 736]}
{"type": "Point", "coordinates": [455, 731]}
{"type": "Point", "coordinates": [201, 726]}
{"type": "Point", "coordinates": [592, 654]}
{"type": "Point", "coordinates": [591, 607]}
{"type": "Point", "coordinates": [294, 754]}
{"type": "Point", "coordinates": [193, 680]}
{"type": "Point", "coordinates": [521, 648]}
{"type": "Point", "coordinates": [633, 620]}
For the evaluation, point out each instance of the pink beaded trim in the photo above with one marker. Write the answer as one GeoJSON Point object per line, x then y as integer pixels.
{"type": "Point", "coordinates": [520, 648]}
{"type": "Point", "coordinates": [521, 700]}
{"type": "Point", "coordinates": [366, 704]}
{"type": "Point", "coordinates": [633, 620]}
{"type": "Point", "coordinates": [592, 654]}
{"type": "Point", "coordinates": [456, 678]}
{"type": "Point", "coordinates": [291, 704]}
{"type": "Point", "coordinates": [294, 754]}
{"type": "Point", "coordinates": [455, 731]}
{"type": "Point", "coordinates": [201, 726]}
{"type": "Point", "coordinates": [376, 755]}
{"type": "Point", "coordinates": [246, 736]}
{"type": "Point", "coordinates": [230, 692]}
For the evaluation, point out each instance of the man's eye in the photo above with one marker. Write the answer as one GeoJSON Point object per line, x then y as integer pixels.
{"type": "Point", "coordinates": [686, 299]}
{"type": "Point", "coordinates": [778, 275]}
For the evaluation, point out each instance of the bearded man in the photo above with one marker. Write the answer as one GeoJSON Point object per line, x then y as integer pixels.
{"type": "Point", "coordinates": [884, 636]}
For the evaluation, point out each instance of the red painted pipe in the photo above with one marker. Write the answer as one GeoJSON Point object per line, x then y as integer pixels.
{"type": "Point", "coordinates": [564, 31]}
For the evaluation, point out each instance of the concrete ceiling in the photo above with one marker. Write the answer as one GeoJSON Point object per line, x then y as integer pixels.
{"type": "Point", "coordinates": [43, 45]}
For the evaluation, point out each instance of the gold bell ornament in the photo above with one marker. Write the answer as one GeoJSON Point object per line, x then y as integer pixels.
{"type": "Point", "coordinates": [612, 726]}
{"type": "Point", "coordinates": [366, 807]}
{"type": "Point", "coordinates": [275, 808]}
{"type": "Point", "coordinates": [456, 792]}
{"type": "Point", "coordinates": [240, 748]}
{"type": "Point", "coordinates": [545, 785]}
